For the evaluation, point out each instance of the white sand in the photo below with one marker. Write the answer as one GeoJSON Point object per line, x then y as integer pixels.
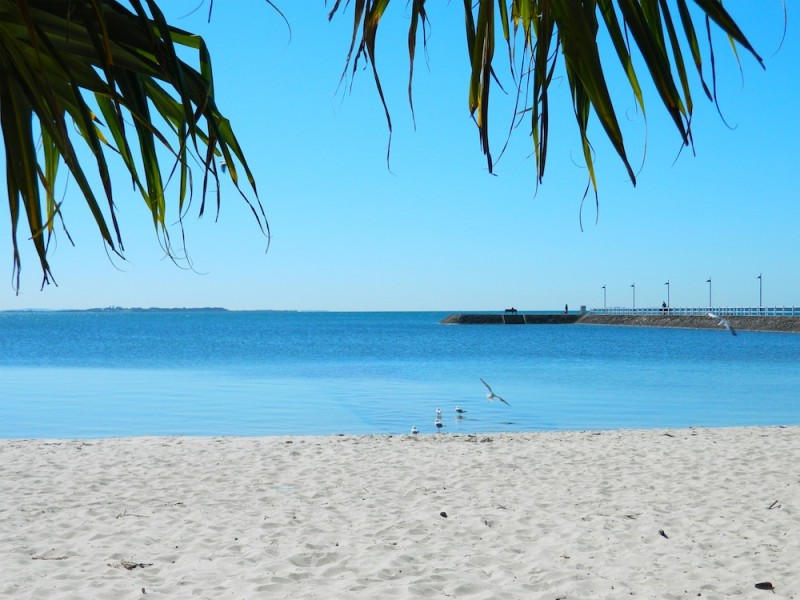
{"type": "Point", "coordinates": [549, 515]}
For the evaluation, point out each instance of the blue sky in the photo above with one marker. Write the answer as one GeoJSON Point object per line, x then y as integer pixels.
{"type": "Point", "coordinates": [437, 232]}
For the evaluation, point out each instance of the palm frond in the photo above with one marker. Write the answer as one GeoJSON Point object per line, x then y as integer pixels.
{"type": "Point", "coordinates": [545, 31]}
{"type": "Point", "coordinates": [62, 61]}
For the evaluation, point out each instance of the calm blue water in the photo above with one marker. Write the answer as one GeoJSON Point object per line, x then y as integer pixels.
{"type": "Point", "coordinates": [97, 374]}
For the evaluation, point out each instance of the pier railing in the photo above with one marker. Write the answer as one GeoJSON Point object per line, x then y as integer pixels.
{"type": "Point", "coordinates": [729, 311]}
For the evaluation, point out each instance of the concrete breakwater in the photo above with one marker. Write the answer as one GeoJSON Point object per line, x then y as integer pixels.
{"type": "Point", "coordinates": [510, 319]}
{"type": "Point", "coordinates": [779, 324]}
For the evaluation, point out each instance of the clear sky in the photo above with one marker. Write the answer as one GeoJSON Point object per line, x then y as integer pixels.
{"type": "Point", "coordinates": [438, 232]}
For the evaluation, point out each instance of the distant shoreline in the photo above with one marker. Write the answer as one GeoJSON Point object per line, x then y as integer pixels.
{"type": "Point", "coordinates": [774, 324]}
{"type": "Point", "coordinates": [154, 309]}
{"type": "Point", "coordinates": [116, 309]}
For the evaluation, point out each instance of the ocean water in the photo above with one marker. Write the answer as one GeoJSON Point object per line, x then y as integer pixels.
{"type": "Point", "coordinates": [125, 373]}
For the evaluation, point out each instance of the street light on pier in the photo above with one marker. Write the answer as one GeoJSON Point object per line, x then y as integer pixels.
{"type": "Point", "coordinates": [667, 284]}
{"type": "Point", "coordinates": [708, 281]}
{"type": "Point", "coordinates": [759, 292]}
{"type": "Point", "coordinates": [633, 285]}
{"type": "Point", "coordinates": [604, 297]}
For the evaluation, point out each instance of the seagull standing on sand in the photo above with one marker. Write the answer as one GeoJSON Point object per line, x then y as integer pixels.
{"type": "Point", "coordinates": [414, 430]}
{"type": "Point", "coordinates": [491, 395]}
{"type": "Point", "coordinates": [723, 323]}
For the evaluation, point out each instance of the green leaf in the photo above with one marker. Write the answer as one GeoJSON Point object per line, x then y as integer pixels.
{"type": "Point", "coordinates": [125, 60]}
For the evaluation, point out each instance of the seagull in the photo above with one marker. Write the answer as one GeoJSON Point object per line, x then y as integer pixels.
{"type": "Point", "coordinates": [414, 430]}
{"type": "Point", "coordinates": [460, 410]}
{"type": "Point", "coordinates": [723, 323]}
{"type": "Point", "coordinates": [438, 420]}
{"type": "Point", "coordinates": [727, 325]}
{"type": "Point", "coordinates": [491, 395]}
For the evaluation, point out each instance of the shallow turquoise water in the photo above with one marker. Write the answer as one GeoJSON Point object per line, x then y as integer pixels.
{"type": "Point", "coordinates": [97, 374]}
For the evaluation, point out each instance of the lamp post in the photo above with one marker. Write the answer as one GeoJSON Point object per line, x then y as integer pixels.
{"type": "Point", "coordinates": [633, 285]}
{"type": "Point", "coordinates": [708, 281]}
{"type": "Point", "coordinates": [604, 297]}
{"type": "Point", "coordinates": [667, 284]}
{"type": "Point", "coordinates": [759, 292]}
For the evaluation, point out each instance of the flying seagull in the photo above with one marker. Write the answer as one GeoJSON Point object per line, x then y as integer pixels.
{"type": "Point", "coordinates": [491, 395]}
{"type": "Point", "coordinates": [723, 323]}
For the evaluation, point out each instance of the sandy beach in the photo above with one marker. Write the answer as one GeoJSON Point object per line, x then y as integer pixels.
{"type": "Point", "coordinates": [560, 515]}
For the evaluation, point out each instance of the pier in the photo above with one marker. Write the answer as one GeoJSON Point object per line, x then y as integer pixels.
{"type": "Point", "coordinates": [776, 319]}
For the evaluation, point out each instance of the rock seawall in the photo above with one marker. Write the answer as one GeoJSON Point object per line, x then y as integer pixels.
{"type": "Point", "coordinates": [781, 324]}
